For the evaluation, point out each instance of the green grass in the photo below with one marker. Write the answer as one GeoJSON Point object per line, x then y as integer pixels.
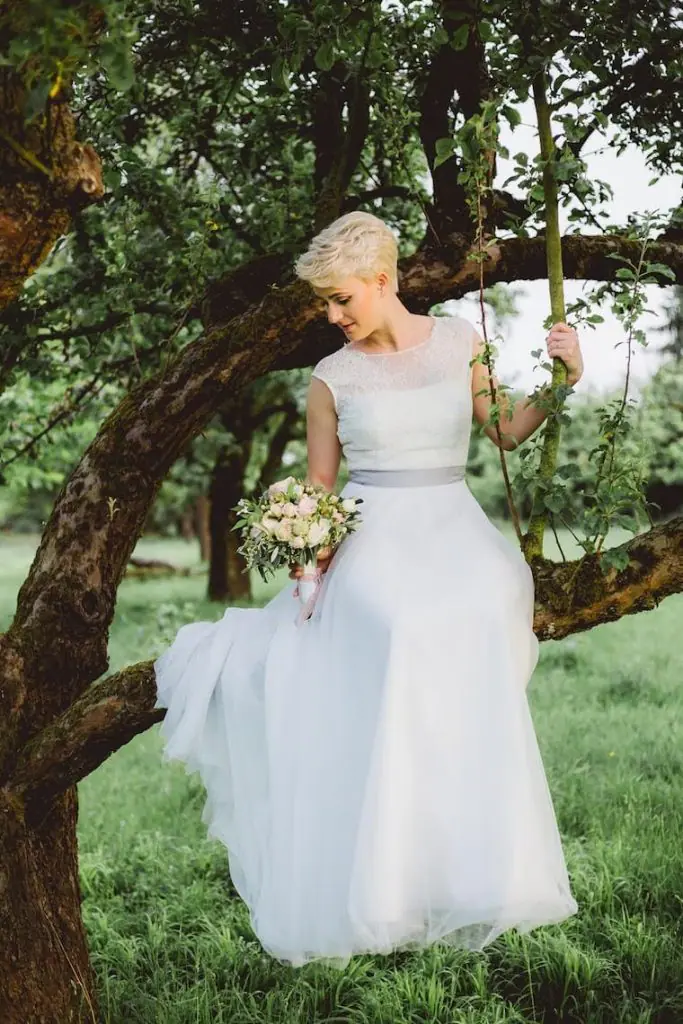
{"type": "Point", "coordinates": [171, 941]}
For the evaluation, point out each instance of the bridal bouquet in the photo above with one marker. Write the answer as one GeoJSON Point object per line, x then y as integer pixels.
{"type": "Point", "coordinates": [291, 522]}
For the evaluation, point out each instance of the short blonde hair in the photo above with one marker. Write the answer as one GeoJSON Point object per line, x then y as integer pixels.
{"type": "Point", "coordinates": [357, 244]}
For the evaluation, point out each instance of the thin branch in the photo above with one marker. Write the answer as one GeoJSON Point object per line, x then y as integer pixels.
{"type": "Point", "coordinates": [56, 420]}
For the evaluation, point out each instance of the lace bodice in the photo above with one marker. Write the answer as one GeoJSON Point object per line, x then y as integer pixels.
{"type": "Point", "coordinates": [405, 410]}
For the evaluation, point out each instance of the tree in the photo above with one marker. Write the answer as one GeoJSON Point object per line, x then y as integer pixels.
{"type": "Point", "coordinates": [266, 121]}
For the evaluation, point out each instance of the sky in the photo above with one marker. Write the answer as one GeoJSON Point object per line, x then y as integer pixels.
{"type": "Point", "coordinates": [604, 349]}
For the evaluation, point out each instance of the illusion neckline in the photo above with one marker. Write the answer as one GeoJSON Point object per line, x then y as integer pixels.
{"type": "Point", "coordinates": [401, 351]}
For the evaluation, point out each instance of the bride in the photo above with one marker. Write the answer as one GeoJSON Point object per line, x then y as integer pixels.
{"type": "Point", "coordinates": [374, 771]}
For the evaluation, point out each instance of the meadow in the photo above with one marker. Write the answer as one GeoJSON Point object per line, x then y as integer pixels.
{"type": "Point", "coordinates": [171, 941]}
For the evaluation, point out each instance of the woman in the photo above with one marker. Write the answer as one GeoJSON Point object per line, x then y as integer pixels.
{"type": "Point", "coordinates": [374, 771]}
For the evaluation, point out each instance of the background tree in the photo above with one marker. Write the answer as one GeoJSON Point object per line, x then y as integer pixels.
{"type": "Point", "coordinates": [233, 132]}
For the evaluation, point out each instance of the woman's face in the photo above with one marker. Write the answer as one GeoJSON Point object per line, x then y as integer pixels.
{"type": "Point", "coordinates": [353, 305]}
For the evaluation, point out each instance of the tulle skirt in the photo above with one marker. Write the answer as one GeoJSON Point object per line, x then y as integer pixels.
{"type": "Point", "coordinates": [374, 772]}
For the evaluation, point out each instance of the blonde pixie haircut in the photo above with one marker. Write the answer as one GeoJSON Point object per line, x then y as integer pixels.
{"type": "Point", "coordinates": [356, 244]}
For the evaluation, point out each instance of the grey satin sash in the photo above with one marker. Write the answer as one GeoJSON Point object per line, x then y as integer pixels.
{"type": "Point", "coordinates": [408, 477]}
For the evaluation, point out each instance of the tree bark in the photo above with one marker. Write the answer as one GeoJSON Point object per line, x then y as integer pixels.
{"type": "Point", "coordinates": [45, 972]}
{"type": "Point", "coordinates": [227, 579]}
{"type": "Point", "coordinates": [46, 175]}
{"type": "Point", "coordinates": [201, 527]}
{"type": "Point", "coordinates": [186, 523]}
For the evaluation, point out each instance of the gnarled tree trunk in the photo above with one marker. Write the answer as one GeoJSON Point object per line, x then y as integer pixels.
{"type": "Point", "coordinates": [45, 973]}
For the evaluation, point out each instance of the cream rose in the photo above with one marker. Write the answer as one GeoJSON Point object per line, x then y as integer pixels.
{"type": "Point", "coordinates": [349, 504]}
{"type": "Point", "coordinates": [281, 486]}
{"type": "Point", "coordinates": [318, 531]}
{"type": "Point", "coordinates": [297, 542]}
{"type": "Point", "coordinates": [284, 531]}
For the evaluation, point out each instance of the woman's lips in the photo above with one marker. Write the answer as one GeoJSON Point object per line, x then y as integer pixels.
{"type": "Point", "coordinates": [347, 327]}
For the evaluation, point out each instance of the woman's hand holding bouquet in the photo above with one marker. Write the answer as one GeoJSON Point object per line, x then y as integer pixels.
{"type": "Point", "coordinates": [296, 524]}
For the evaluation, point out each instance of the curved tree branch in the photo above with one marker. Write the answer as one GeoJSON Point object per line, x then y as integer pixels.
{"type": "Point", "coordinates": [70, 592]}
{"type": "Point", "coordinates": [570, 597]}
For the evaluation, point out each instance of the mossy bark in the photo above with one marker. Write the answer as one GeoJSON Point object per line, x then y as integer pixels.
{"type": "Point", "coordinates": [45, 176]}
{"type": "Point", "coordinates": [45, 973]}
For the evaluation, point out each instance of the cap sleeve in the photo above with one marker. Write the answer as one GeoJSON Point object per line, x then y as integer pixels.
{"type": "Point", "coordinates": [324, 371]}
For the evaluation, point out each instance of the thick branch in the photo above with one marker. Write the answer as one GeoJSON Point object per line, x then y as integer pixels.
{"type": "Point", "coordinates": [45, 176]}
{"type": "Point", "coordinates": [584, 257]}
{"type": "Point", "coordinates": [105, 718]}
{"type": "Point", "coordinates": [71, 588]}
{"type": "Point", "coordinates": [452, 72]}
{"type": "Point", "coordinates": [570, 597]}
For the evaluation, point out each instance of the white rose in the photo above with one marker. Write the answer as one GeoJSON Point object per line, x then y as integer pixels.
{"type": "Point", "coordinates": [288, 509]}
{"type": "Point", "coordinates": [297, 542]}
{"type": "Point", "coordinates": [280, 486]}
{"type": "Point", "coordinates": [318, 531]}
{"type": "Point", "coordinates": [300, 528]}
{"type": "Point", "coordinates": [268, 524]}
{"type": "Point", "coordinates": [276, 510]}
{"type": "Point", "coordinates": [349, 504]}
{"type": "Point", "coordinates": [283, 531]}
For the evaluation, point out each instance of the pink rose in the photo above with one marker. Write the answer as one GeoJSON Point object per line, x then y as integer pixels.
{"type": "Point", "coordinates": [307, 505]}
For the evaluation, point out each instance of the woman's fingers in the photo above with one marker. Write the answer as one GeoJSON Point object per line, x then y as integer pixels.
{"type": "Point", "coordinates": [324, 559]}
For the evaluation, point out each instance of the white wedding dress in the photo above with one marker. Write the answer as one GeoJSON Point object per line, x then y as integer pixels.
{"type": "Point", "coordinates": [374, 772]}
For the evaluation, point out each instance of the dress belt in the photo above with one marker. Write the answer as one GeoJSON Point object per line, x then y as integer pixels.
{"type": "Point", "coordinates": [408, 477]}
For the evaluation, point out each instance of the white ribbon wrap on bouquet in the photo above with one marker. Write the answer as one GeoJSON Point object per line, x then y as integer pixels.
{"type": "Point", "coordinates": [306, 590]}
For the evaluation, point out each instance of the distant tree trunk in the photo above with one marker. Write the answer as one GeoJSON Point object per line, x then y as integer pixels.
{"type": "Point", "coordinates": [201, 526]}
{"type": "Point", "coordinates": [45, 972]}
{"type": "Point", "coordinates": [186, 523]}
{"type": "Point", "coordinates": [227, 582]}
{"type": "Point", "coordinates": [239, 583]}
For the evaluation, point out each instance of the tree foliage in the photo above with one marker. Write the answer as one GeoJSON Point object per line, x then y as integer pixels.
{"type": "Point", "coordinates": [182, 154]}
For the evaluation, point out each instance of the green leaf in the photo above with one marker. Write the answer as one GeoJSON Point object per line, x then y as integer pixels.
{"type": "Point", "coordinates": [444, 148]}
{"type": "Point", "coordinates": [617, 558]}
{"type": "Point", "coordinates": [115, 58]}
{"type": "Point", "coordinates": [513, 118]}
{"type": "Point", "coordinates": [280, 73]}
{"type": "Point", "coordinates": [660, 268]}
{"type": "Point", "coordinates": [460, 37]}
{"type": "Point", "coordinates": [325, 55]}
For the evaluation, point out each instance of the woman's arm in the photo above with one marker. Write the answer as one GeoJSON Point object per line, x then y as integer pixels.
{"type": "Point", "coordinates": [515, 427]}
{"type": "Point", "coordinates": [324, 452]}
{"type": "Point", "coordinates": [324, 449]}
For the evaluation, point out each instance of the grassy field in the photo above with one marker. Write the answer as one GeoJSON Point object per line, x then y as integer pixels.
{"type": "Point", "coordinates": [171, 942]}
